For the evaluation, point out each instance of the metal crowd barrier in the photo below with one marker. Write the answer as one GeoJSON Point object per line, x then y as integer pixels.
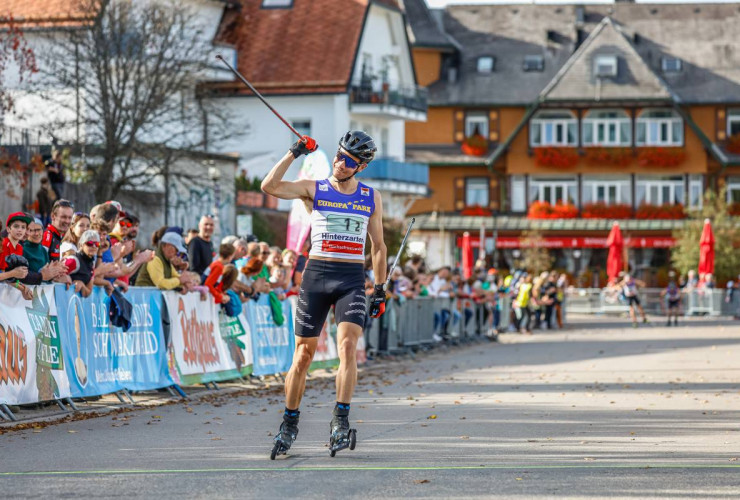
{"type": "Point", "coordinates": [711, 302]}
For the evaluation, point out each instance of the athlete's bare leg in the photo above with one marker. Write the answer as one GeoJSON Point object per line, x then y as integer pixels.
{"type": "Point", "coordinates": [295, 381]}
{"type": "Point", "coordinates": [347, 336]}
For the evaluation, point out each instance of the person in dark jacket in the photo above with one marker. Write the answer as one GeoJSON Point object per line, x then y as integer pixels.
{"type": "Point", "coordinates": [46, 198]}
{"type": "Point", "coordinates": [200, 248]}
{"type": "Point", "coordinates": [81, 266]}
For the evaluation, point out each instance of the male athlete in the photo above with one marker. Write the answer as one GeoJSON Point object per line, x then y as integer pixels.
{"type": "Point", "coordinates": [343, 211]}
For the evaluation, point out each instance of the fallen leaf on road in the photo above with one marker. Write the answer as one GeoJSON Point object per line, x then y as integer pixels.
{"type": "Point", "coordinates": [464, 437]}
{"type": "Point", "coordinates": [519, 479]}
{"type": "Point", "coordinates": [72, 432]}
{"type": "Point", "coordinates": [216, 439]}
{"type": "Point", "coordinates": [421, 481]}
{"type": "Point", "coordinates": [731, 460]}
{"type": "Point", "coordinates": [241, 413]}
{"type": "Point", "coordinates": [432, 417]}
{"type": "Point", "coordinates": [457, 402]}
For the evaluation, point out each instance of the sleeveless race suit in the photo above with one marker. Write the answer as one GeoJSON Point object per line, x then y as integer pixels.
{"type": "Point", "coordinates": [338, 230]}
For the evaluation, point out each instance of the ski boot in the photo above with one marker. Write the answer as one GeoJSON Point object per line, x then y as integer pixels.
{"type": "Point", "coordinates": [342, 436]}
{"type": "Point", "coordinates": [285, 436]}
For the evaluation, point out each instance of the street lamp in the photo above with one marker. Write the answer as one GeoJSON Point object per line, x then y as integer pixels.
{"type": "Point", "coordinates": [214, 175]}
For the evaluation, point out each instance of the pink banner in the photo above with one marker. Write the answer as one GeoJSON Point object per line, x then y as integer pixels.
{"type": "Point", "coordinates": [315, 166]}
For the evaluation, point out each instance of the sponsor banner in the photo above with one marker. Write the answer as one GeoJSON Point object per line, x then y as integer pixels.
{"type": "Point", "coordinates": [575, 242]}
{"type": "Point", "coordinates": [199, 352]}
{"type": "Point", "coordinates": [101, 358]}
{"type": "Point", "coordinates": [342, 247]}
{"type": "Point", "coordinates": [272, 345]}
{"type": "Point", "coordinates": [32, 365]}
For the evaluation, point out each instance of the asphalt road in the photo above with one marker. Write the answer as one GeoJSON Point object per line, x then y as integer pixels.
{"type": "Point", "coordinates": [599, 410]}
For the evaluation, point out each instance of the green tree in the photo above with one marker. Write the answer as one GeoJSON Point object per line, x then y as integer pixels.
{"type": "Point", "coordinates": [685, 255]}
{"type": "Point", "coordinates": [535, 257]}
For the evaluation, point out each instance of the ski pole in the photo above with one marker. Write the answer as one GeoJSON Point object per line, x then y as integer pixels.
{"type": "Point", "coordinates": [400, 251]}
{"type": "Point", "coordinates": [256, 92]}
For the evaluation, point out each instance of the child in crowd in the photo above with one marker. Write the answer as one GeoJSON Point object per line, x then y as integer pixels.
{"type": "Point", "coordinates": [217, 272]}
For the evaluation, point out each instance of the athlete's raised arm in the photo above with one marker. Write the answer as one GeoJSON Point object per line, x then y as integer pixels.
{"type": "Point", "coordinates": [378, 251]}
{"type": "Point", "coordinates": [273, 182]}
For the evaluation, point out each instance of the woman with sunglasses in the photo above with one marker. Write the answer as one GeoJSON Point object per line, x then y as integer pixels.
{"type": "Point", "coordinates": [343, 212]}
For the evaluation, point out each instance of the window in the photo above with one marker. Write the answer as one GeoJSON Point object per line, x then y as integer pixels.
{"type": "Point", "coordinates": [553, 128]}
{"type": "Point", "coordinates": [303, 127]}
{"type": "Point", "coordinates": [607, 128]}
{"type": "Point", "coordinates": [476, 191]}
{"type": "Point", "coordinates": [518, 197]}
{"type": "Point", "coordinates": [476, 122]}
{"type": "Point", "coordinates": [277, 4]}
{"type": "Point", "coordinates": [534, 63]}
{"type": "Point", "coordinates": [696, 191]}
{"type": "Point", "coordinates": [605, 66]}
{"type": "Point", "coordinates": [660, 190]}
{"type": "Point", "coordinates": [553, 190]}
{"type": "Point", "coordinates": [733, 190]}
{"type": "Point", "coordinates": [608, 190]}
{"type": "Point", "coordinates": [733, 122]}
{"type": "Point", "coordinates": [670, 64]}
{"type": "Point", "coordinates": [486, 64]}
{"type": "Point", "coordinates": [659, 128]}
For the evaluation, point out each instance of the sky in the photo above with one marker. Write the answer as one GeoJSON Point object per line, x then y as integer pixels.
{"type": "Point", "coordinates": [442, 3]}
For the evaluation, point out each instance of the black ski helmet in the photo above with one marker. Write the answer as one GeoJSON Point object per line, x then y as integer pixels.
{"type": "Point", "coordinates": [359, 144]}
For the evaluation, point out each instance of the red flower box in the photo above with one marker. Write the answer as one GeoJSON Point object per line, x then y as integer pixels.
{"type": "Point", "coordinates": [544, 210]}
{"type": "Point", "coordinates": [475, 145]}
{"type": "Point", "coordinates": [620, 157]}
{"type": "Point", "coordinates": [733, 144]}
{"type": "Point", "coordinates": [556, 157]}
{"type": "Point", "coordinates": [661, 157]}
{"type": "Point", "coordinates": [601, 210]}
{"type": "Point", "coordinates": [665, 211]}
{"type": "Point", "coordinates": [734, 208]}
{"type": "Point", "coordinates": [475, 210]}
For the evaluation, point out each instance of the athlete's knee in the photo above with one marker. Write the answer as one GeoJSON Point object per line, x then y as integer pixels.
{"type": "Point", "coordinates": [302, 358]}
{"type": "Point", "coordinates": [347, 348]}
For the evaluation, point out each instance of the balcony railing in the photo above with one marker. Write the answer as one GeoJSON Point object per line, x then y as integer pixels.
{"type": "Point", "coordinates": [407, 96]}
{"type": "Point", "coordinates": [395, 170]}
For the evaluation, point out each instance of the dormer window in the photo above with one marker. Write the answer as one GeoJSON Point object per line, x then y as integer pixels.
{"type": "Point", "coordinates": [486, 64]}
{"type": "Point", "coordinates": [534, 63]}
{"type": "Point", "coordinates": [277, 4]}
{"type": "Point", "coordinates": [605, 66]}
{"type": "Point", "coordinates": [670, 64]}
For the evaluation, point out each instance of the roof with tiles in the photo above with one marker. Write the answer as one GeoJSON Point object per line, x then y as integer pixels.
{"type": "Point", "coordinates": [37, 14]}
{"type": "Point", "coordinates": [710, 62]}
{"type": "Point", "coordinates": [424, 30]}
{"type": "Point", "coordinates": [634, 80]}
{"type": "Point", "coordinates": [308, 48]}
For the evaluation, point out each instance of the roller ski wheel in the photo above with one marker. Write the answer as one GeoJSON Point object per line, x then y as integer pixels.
{"type": "Point", "coordinates": [284, 439]}
{"type": "Point", "coordinates": [342, 437]}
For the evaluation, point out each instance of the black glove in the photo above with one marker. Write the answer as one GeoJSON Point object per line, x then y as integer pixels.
{"type": "Point", "coordinates": [303, 146]}
{"type": "Point", "coordinates": [377, 303]}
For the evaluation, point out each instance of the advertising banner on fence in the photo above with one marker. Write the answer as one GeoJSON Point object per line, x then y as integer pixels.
{"type": "Point", "coordinates": [101, 358]}
{"type": "Point", "coordinates": [272, 345]}
{"type": "Point", "coordinates": [206, 346]}
{"type": "Point", "coordinates": [32, 367]}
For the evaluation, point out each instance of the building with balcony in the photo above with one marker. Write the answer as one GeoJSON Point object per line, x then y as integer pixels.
{"type": "Point", "coordinates": [561, 118]}
{"type": "Point", "coordinates": [327, 66]}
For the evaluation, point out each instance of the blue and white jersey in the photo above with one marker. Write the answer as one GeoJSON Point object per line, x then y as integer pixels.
{"type": "Point", "coordinates": [339, 221]}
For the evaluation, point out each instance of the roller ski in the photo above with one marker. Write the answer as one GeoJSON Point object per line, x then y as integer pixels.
{"type": "Point", "coordinates": [342, 436]}
{"type": "Point", "coordinates": [286, 435]}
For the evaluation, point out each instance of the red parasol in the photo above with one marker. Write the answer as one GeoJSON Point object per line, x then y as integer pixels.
{"type": "Point", "coordinates": [706, 249]}
{"type": "Point", "coordinates": [615, 242]}
{"type": "Point", "coordinates": [467, 256]}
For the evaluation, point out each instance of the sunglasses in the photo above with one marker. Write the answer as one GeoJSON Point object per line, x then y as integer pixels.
{"type": "Point", "coordinates": [125, 223]}
{"type": "Point", "coordinates": [92, 244]}
{"type": "Point", "coordinates": [349, 162]}
{"type": "Point", "coordinates": [82, 214]}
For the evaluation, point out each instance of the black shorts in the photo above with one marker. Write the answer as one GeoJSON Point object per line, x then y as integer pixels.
{"type": "Point", "coordinates": [327, 284]}
{"type": "Point", "coordinates": [633, 300]}
{"type": "Point", "coordinates": [672, 304]}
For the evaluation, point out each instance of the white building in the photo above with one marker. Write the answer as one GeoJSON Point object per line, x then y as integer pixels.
{"type": "Point", "coordinates": [327, 67]}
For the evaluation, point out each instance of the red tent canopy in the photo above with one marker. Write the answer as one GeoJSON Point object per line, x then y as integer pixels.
{"type": "Point", "coordinates": [706, 249]}
{"type": "Point", "coordinates": [467, 256]}
{"type": "Point", "coordinates": [615, 260]}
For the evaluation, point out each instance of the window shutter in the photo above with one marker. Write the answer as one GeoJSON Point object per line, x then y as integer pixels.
{"type": "Point", "coordinates": [459, 125]}
{"type": "Point", "coordinates": [493, 194]}
{"type": "Point", "coordinates": [721, 124]}
{"type": "Point", "coordinates": [493, 125]}
{"type": "Point", "coordinates": [459, 193]}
